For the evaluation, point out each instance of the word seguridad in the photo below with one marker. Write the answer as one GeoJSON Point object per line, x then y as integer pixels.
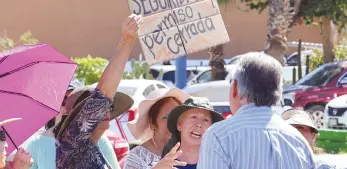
{"type": "Point", "coordinates": [178, 28]}
{"type": "Point", "coordinates": [146, 7]}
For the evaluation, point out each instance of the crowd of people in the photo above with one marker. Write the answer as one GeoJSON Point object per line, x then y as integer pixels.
{"type": "Point", "coordinates": [176, 130]}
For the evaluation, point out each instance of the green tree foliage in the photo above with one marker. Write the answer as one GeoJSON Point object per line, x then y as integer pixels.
{"type": "Point", "coordinates": [140, 70]}
{"type": "Point", "coordinates": [318, 59]}
{"type": "Point", "coordinates": [309, 9]}
{"type": "Point", "coordinates": [90, 69]}
{"type": "Point", "coordinates": [25, 39]}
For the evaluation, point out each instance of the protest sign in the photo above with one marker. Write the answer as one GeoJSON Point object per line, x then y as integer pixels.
{"type": "Point", "coordinates": [173, 28]}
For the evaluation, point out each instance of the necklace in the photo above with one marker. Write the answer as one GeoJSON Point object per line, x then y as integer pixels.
{"type": "Point", "coordinates": [155, 145]}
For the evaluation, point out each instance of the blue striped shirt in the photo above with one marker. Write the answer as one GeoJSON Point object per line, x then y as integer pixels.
{"type": "Point", "coordinates": [255, 138]}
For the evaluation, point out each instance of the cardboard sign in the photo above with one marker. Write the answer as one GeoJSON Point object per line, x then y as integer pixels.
{"type": "Point", "coordinates": [174, 28]}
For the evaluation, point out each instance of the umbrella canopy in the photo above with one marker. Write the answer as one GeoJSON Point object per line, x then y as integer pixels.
{"type": "Point", "coordinates": [33, 82]}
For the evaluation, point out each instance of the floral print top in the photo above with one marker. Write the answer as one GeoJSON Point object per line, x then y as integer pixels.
{"type": "Point", "coordinates": [75, 149]}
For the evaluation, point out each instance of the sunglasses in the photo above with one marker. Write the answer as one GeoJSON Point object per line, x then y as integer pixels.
{"type": "Point", "coordinates": [2, 135]}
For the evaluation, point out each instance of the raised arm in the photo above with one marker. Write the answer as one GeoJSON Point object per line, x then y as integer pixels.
{"type": "Point", "coordinates": [94, 109]}
{"type": "Point", "coordinates": [113, 73]}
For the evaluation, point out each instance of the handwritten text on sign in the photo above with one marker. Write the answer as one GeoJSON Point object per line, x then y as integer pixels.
{"type": "Point", "coordinates": [174, 28]}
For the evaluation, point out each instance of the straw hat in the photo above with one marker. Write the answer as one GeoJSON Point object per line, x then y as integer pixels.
{"type": "Point", "coordinates": [140, 128]}
{"type": "Point", "coordinates": [9, 121]}
{"type": "Point", "coordinates": [299, 117]}
{"type": "Point", "coordinates": [78, 97]}
{"type": "Point", "coordinates": [191, 103]}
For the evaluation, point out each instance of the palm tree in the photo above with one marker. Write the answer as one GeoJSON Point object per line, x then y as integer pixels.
{"type": "Point", "coordinates": [281, 18]}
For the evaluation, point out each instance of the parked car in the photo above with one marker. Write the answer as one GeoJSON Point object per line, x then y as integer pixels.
{"type": "Point", "coordinates": [292, 60]}
{"type": "Point", "coordinates": [335, 114]}
{"type": "Point", "coordinates": [223, 108]}
{"type": "Point", "coordinates": [316, 89]}
{"type": "Point", "coordinates": [168, 73]}
{"type": "Point", "coordinates": [205, 76]}
{"type": "Point", "coordinates": [287, 70]}
{"type": "Point", "coordinates": [138, 90]}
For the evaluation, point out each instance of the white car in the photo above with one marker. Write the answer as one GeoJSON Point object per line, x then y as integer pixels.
{"type": "Point", "coordinates": [138, 90]}
{"type": "Point", "coordinates": [205, 76]}
{"type": "Point", "coordinates": [335, 113]}
{"type": "Point", "coordinates": [168, 76]}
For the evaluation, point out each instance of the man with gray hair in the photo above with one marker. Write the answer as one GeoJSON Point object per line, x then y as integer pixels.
{"type": "Point", "coordinates": [255, 137]}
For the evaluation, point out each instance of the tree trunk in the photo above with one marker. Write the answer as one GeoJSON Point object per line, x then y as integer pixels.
{"type": "Point", "coordinates": [217, 62]}
{"type": "Point", "coordinates": [328, 39]}
{"type": "Point", "coordinates": [280, 19]}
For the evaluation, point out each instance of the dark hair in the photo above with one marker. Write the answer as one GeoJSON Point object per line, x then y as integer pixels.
{"type": "Point", "coordinates": [83, 96]}
{"type": "Point", "coordinates": [50, 123]}
{"type": "Point", "coordinates": [154, 110]}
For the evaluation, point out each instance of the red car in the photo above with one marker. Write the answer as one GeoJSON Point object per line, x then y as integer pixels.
{"type": "Point", "coordinates": [316, 89]}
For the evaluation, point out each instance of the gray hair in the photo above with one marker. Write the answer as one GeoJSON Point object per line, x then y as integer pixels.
{"type": "Point", "coordinates": [259, 79]}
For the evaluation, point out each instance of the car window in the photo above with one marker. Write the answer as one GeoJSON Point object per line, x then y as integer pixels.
{"type": "Point", "coordinates": [343, 80]}
{"type": "Point", "coordinates": [154, 73]}
{"type": "Point", "coordinates": [170, 76]}
{"type": "Point", "coordinates": [161, 86]}
{"type": "Point", "coordinates": [292, 59]}
{"type": "Point", "coordinates": [204, 77]}
{"type": "Point", "coordinates": [130, 91]}
{"type": "Point", "coordinates": [148, 90]}
{"type": "Point", "coordinates": [321, 76]}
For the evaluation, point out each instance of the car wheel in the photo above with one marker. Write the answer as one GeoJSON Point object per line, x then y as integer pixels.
{"type": "Point", "coordinates": [317, 113]}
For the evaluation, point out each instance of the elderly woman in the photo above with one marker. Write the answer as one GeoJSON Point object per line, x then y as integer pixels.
{"type": "Point", "coordinates": [151, 127]}
{"type": "Point", "coordinates": [22, 159]}
{"type": "Point", "coordinates": [76, 143]}
{"type": "Point", "coordinates": [188, 124]}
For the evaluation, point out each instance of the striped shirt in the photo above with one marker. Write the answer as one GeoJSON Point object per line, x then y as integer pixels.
{"type": "Point", "coordinates": [255, 138]}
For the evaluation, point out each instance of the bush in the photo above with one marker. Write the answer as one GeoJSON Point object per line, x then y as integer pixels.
{"type": "Point", "coordinates": [318, 60]}
{"type": "Point", "coordinates": [140, 70]}
{"type": "Point", "coordinates": [25, 39]}
{"type": "Point", "coordinates": [90, 69]}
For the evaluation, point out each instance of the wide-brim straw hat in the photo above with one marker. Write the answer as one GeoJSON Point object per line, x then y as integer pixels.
{"type": "Point", "coordinates": [121, 104]}
{"type": "Point", "coordinates": [2, 123]}
{"type": "Point", "coordinates": [298, 117]}
{"type": "Point", "coordinates": [140, 127]}
{"type": "Point", "coordinates": [191, 103]}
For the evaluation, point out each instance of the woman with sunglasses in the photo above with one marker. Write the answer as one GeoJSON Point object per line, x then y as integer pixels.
{"type": "Point", "coordinates": [22, 159]}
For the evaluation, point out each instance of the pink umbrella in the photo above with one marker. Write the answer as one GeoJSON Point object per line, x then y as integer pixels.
{"type": "Point", "coordinates": [33, 82]}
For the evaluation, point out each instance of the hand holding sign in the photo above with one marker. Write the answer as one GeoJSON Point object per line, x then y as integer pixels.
{"type": "Point", "coordinates": [170, 159]}
{"type": "Point", "coordinates": [173, 28]}
{"type": "Point", "coordinates": [131, 26]}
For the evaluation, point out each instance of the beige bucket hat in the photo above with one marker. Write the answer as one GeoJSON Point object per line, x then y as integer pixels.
{"type": "Point", "coordinates": [298, 117]}
{"type": "Point", "coordinates": [140, 127]}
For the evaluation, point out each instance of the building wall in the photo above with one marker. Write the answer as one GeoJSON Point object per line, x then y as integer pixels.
{"type": "Point", "coordinates": [78, 28]}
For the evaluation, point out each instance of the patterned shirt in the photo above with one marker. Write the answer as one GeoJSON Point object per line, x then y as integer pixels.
{"type": "Point", "coordinates": [140, 158]}
{"type": "Point", "coordinates": [75, 149]}
{"type": "Point", "coordinates": [254, 138]}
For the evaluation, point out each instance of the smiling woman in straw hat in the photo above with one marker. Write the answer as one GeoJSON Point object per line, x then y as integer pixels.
{"type": "Point", "coordinates": [22, 159]}
{"type": "Point", "coordinates": [151, 127]}
{"type": "Point", "coordinates": [188, 124]}
{"type": "Point", "coordinates": [76, 146]}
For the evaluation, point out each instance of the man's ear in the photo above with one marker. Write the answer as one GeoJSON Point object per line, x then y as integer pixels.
{"type": "Point", "coordinates": [234, 88]}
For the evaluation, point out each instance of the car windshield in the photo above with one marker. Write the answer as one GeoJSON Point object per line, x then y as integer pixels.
{"type": "Point", "coordinates": [130, 91]}
{"type": "Point", "coordinates": [321, 76]}
{"type": "Point", "coordinates": [170, 76]}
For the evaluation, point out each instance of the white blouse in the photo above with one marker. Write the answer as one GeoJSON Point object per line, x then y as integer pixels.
{"type": "Point", "coordinates": [140, 158]}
